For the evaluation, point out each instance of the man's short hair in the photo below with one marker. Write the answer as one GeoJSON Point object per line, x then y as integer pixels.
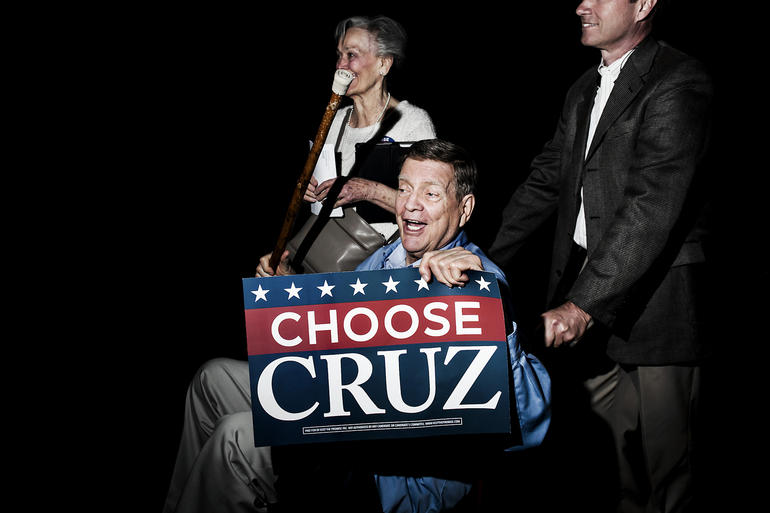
{"type": "Point", "coordinates": [465, 171]}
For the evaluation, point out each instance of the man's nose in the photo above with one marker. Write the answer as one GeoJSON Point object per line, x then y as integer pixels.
{"type": "Point", "coordinates": [583, 8]}
{"type": "Point", "coordinates": [413, 202]}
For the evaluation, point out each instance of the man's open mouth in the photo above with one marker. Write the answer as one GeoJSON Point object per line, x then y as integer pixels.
{"type": "Point", "coordinates": [413, 226]}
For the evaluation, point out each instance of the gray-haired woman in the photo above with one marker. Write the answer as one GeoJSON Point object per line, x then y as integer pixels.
{"type": "Point", "coordinates": [372, 48]}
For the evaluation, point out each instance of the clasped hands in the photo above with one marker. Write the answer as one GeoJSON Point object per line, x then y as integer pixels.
{"type": "Point", "coordinates": [355, 189]}
{"type": "Point", "coordinates": [565, 324]}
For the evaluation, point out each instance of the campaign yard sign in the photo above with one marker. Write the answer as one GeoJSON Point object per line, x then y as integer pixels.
{"type": "Point", "coordinates": [375, 354]}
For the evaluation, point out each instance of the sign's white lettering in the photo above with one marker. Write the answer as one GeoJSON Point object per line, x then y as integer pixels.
{"type": "Point", "coordinates": [265, 389]}
{"type": "Point", "coordinates": [393, 387]}
{"type": "Point", "coordinates": [463, 323]}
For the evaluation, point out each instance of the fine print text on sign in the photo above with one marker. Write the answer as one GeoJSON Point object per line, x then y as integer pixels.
{"type": "Point", "coordinates": [375, 354]}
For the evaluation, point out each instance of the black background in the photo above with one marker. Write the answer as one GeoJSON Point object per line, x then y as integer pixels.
{"type": "Point", "coordinates": [216, 109]}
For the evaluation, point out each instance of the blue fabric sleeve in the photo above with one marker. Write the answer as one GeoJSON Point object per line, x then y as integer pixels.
{"type": "Point", "coordinates": [531, 388]}
{"type": "Point", "coordinates": [399, 494]}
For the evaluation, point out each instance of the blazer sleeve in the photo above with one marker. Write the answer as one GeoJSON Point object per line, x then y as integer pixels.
{"type": "Point", "coordinates": [670, 141]}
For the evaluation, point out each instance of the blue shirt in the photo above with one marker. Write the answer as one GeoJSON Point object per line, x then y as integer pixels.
{"type": "Point", "coordinates": [532, 389]}
{"type": "Point", "coordinates": [393, 256]}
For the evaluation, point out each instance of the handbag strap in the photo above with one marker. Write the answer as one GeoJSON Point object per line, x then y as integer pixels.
{"type": "Point", "coordinates": [393, 238]}
{"type": "Point", "coordinates": [386, 123]}
{"type": "Point", "coordinates": [337, 154]}
{"type": "Point", "coordinates": [342, 130]}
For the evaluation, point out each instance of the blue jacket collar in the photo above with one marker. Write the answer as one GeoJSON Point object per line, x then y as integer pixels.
{"type": "Point", "coordinates": [395, 255]}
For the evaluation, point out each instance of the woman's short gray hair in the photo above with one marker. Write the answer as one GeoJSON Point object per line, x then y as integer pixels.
{"type": "Point", "coordinates": [388, 34]}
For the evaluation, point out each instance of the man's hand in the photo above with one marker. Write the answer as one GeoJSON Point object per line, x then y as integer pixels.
{"type": "Point", "coordinates": [264, 269]}
{"type": "Point", "coordinates": [449, 266]}
{"type": "Point", "coordinates": [565, 324]}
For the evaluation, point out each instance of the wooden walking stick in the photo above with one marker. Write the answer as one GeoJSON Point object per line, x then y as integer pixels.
{"type": "Point", "coordinates": [342, 79]}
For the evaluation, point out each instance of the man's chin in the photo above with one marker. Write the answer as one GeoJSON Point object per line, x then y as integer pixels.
{"type": "Point", "coordinates": [414, 250]}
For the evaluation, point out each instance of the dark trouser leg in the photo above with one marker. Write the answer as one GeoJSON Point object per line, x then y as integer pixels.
{"type": "Point", "coordinates": [653, 417]}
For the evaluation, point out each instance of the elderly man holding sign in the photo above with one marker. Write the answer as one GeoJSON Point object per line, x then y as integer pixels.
{"type": "Point", "coordinates": [219, 466]}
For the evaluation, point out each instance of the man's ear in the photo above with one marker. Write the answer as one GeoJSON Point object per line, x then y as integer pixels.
{"type": "Point", "coordinates": [645, 9]}
{"type": "Point", "coordinates": [466, 208]}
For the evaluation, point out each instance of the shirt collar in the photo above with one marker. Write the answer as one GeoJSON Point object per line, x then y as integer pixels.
{"type": "Point", "coordinates": [613, 70]}
{"type": "Point", "coordinates": [397, 257]}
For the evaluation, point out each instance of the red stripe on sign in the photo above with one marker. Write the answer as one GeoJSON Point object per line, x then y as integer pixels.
{"type": "Point", "coordinates": [377, 323]}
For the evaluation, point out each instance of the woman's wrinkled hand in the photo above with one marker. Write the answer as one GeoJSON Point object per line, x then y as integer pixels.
{"type": "Point", "coordinates": [354, 190]}
{"type": "Point", "coordinates": [310, 192]}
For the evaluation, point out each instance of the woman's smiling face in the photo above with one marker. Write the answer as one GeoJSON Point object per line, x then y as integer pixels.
{"type": "Point", "coordinates": [356, 52]}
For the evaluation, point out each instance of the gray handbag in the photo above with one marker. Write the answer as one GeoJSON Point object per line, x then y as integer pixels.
{"type": "Point", "coordinates": [333, 244]}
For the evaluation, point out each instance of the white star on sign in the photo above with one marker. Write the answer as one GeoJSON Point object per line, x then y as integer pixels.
{"type": "Point", "coordinates": [326, 289]}
{"type": "Point", "coordinates": [483, 284]}
{"type": "Point", "coordinates": [260, 293]}
{"type": "Point", "coordinates": [421, 284]}
{"type": "Point", "coordinates": [358, 287]}
{"type": "Point", "coordinates": [390, 285]}
{"type": "Point", "coordinates": [293, 291]}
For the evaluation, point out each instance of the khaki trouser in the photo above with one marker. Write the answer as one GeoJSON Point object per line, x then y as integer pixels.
{"type": "Point", "coordinates": [218, 469]}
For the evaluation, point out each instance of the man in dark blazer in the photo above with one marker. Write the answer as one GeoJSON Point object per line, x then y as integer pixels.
{"type": "Point", "coordinates": [622, 173]}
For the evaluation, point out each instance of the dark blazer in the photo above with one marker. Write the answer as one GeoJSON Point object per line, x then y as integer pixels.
{"type": "Point", "coordinates": [643, 197]}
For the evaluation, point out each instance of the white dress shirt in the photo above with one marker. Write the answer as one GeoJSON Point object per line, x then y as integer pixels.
{"type": "Point", "coordinates": [609, 74]}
